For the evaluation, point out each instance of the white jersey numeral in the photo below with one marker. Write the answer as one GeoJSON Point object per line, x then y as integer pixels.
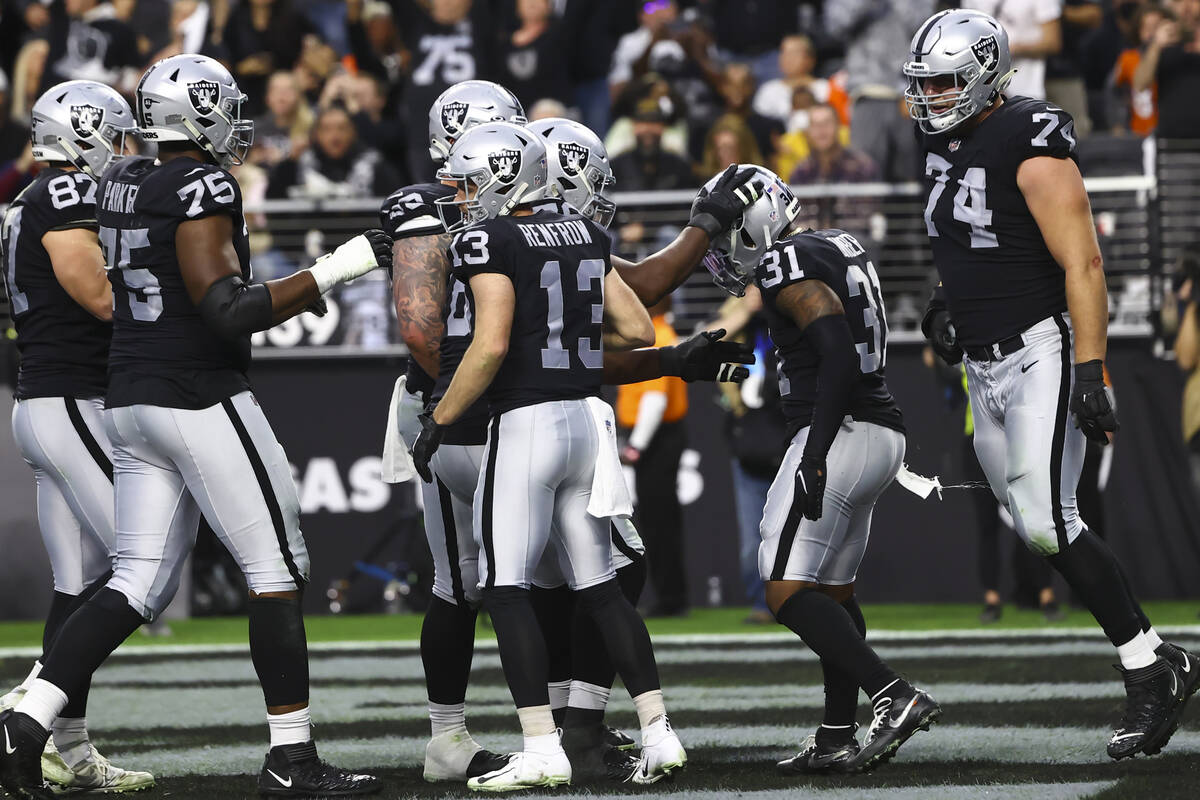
{"type": "Point", "coordinates": [448, 56]}
{"type": "Point", "coordinates": [1043, 137]}
{"type": "Point", "coordinates": [970, 206]}
{"type": "Point", "coordinates": [554, 355]}
{"type": "Point", "coordinates": [458, 323]}
{"type": "Point", "coordinates": [771, 262]}
{"type": "Point", "coordinates": [145, 292]}
{"type": "Point", "coordinates": [221, 190]}
{"type": "Point", "coordinates": [64, 190]}
{"type": "Point", "coordinates": [938, 167]}
{"type": "Point", "coordinates": [8, 244]}
{"type": "Point", "coordinates": [872, 356]}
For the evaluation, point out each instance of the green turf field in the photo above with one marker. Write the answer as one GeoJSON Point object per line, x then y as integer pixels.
{"type": "Point", "coordinates": [1027, 708]}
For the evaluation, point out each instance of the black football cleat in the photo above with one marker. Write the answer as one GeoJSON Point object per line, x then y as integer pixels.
{"type": "Point", "coordinates": [1154, 701]}
{"type": "Point", "coordinates": [900, 711]}
{"type": "Point", "coordinates": [293, 770]}
{"type": "Point", "coordinates": [1186, 665]}
{"type": "Point", "coordinates": [594, 758]}
{"type": "Point", "coordinates": [818, 758]}
{"type": "Point", "coordinates": [486, 761]}
{"type": "Point", "coordinates": [618, 739]}
{"type": "Point", "coordinates": [21, 756]}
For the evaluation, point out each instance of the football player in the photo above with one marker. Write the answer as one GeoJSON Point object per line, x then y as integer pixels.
{"type": "Point", "coordinates": [62, 308]}
{"type": "Point", "coordinates": [550, 452]}
{"type": "Point", "coordinates": [1023, 296]}
{"type": "Point", "coordinates": [188, 435]}
{"type": "Point", "coordinates": [826, 318]}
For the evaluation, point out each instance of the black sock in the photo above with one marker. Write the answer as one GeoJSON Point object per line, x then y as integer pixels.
{"type": "Point", "coordinates": [625, 636]}
{"type": "Point", "coordinates": [841, 690]}
{"type": "Point", "coordinates": [447, 647]}
{"type": "Point", "coordinates": [279, 649]}
{"type": "Point", "coordinates": [87, 638]}
{"type": "Point", "coordinates": [522, 648]}
{"type": "Point", "coordinates": [1093, 573]}
{"type": "Point", "coordinates": [555, 611]}
{"type": "Point", "coordinates": [829, 630]}
{"type": "Point", "coordinates": [1143, 620]}
{"type": "Point", "coordinates": [63, 606]}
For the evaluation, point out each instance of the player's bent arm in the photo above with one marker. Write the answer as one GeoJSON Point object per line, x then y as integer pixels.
{"type": "Point", "coordinates": [78, 264]}
{"type": "Point", "coordinates": [495, 300]}
{"type": "Point", "coordinates": [661, 273]}
{"type": "Point", "coordinates": [818, 312]}
{"type": "Point", "coordinates": [627, 325]}
{"type": "Point", "coordinates": [1054, 192]}
{"type": "Point", "coordinates": [419, 272]}
{"type": "Point", "coordinates": [1187, 342]}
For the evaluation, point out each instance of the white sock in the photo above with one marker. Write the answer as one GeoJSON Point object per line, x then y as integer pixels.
{"type": "Point", "coordinates": [547, 744]}
{"type": "Point", "coordinates": [537, 723]}
{"type": "Point", "coordinates": [650, 707]}
{"type": "Point", "coordinates": [27, 684]}
{"type": "Point", "coordinates": [1154, 639]}
{"type": "Point", "coordinates": [71, 740]}
{"type": "Point", "coordinates": [294, 727]}
{"type": "Point", "coordinates": [1136, 653]}
{"type": "Point", "coordinates": [44, 702]}
{"type": "Point", "coordinates": [559, 691]}
{"type": "Point", "coordinates": [588, 696]}
{"type": "Point", "coordinates": [447, 718]}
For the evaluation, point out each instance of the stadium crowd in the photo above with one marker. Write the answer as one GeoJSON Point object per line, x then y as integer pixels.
{"type": "Point", "coordinates": [680, 88]}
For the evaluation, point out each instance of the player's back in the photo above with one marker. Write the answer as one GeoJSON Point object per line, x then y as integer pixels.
{"type": "Point", "coordinates": [163, 353]}
{"type": "Point", "coordinates": [64, 349]}
{"type": "Point", "coordinates": [835, 258]}
{"type": "Point", "coordinates": [557, 261]}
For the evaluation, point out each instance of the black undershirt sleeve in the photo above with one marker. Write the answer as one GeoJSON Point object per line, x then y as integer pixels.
{"type": "Point", "coordinates": [232, 308]}
{"type": "Point", "coordinates": [838, 370]}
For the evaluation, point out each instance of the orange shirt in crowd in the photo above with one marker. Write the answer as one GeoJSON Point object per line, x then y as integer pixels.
{"type": "Point", "coordinates": [1143, 105]}
{"type": "Point", "coordinates": [629, 396]}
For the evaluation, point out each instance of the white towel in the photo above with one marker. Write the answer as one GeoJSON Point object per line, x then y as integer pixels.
{"type": "Point", "coordinates": [610, 495]}
{"type": "Point", "coordinates": [402, 428]}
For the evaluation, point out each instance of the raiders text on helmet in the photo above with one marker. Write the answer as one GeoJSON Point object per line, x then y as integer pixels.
{"type": "Point", "coordinates": [82, 123]}
{"type": "Point", "coordinates": [578, 167]}
{"type": "Point", "coordinates": [465, 105]}
{"type": "Point", "coordinates": [497, 167]}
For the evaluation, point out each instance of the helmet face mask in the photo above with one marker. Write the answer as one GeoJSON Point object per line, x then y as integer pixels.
{"type": "Point", "coordinates": [495, 168]}
{"type": "Point", "coordinates": [81, 123]}
{"type": "Point", "coordinates": [579, 169]}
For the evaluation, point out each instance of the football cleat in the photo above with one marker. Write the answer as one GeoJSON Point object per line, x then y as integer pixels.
{"type": "Point", "coordinates": [455, 756]}
{"type": "Point", "coordinates": [1186, 664]}
{"type": "Point", "coordinates": [614, 737]}
{"type": "Point", "coordinates": [662, 752]}
{"type": "Point", "coordinates": [1154, 701]}
{"type": "Point", "coordinates": [593, 757]}
{"type": "Point", "coordinates": [897, 717]}
{"type": "Point", "coordinates": [817, 758]}
{"type": "Point", "coordinates": [525, 771]}
{"type": "Point", "coordinates": [96, 774]}
{"type": "Point", "coordinates": [293, 770]}
{"type": "Point", "coordinates": [20, 756]}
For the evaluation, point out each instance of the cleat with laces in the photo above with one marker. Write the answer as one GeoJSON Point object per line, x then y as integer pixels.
{"type": "Point", "coordinates": [662, 753]}
{"type": "Point", "coordinates": [525, 770]}
{"type": "Point", "coordinates": [819, 757]}
{"type": "Point", "coordinates": [900, 711]}
{"type": "Point", "coordinates": [293, 770]}
{"type": "Point", "coordinates": [20, 756]}
{"type": "Point", "coordinates": [1186, 664]}
{"type": "Point", "coordinates": [618, 738]}
{"type": "Point", "coordinates": [593, 757]}
{"type": "Point", "coordinates": [1154, 701]}
{"type": "Point", "coordinates": [96, 774]}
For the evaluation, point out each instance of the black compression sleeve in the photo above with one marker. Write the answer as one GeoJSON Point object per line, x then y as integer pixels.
{"type": "Point", "coordinates": [836, 373]}
{"type": "Point", "coordinates": [233, 308]}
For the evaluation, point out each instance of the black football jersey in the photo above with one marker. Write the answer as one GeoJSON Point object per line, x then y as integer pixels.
{"type": "Point", "coordinates": [836, 259]}
{"type": "Point", "coordinates": [998, 275]}
{"type": "Point", "coordinates": [64, 349]}
{"type": "Point", "coordinates": [557, 261]}
{"type": "Point", "coordinates": [163, 353]}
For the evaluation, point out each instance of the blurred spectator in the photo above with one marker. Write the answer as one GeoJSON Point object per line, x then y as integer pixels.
{"type": "Point", "coordinates": [87, 41]}
{"type": "Point", "coordinates": [282, 132]}
{"type": "Point", "coordinates": [1065, 85]}
{"type": "Point", "coordinates": [532, 60]}
{"type": "Point", "coordinates": [642, 94]}
{"type": "Point", "coordinates": [186, 31]}
{"type": "Point", "coordinates": [1140, 107]}
{"type": "Point", "coordinates": [729, 141]}
{"type": "Point", "coordinates": [16, 174]}
{"type": "Point", "coordinates": [1034, 33]}
{"type": "Point", "coordinates": [750, 30]}
{"type": "Point", "coordinates": [150, 21]}
{"type": "Point", "coordinates": [589, 41]}
{"type": "Point", "coordinates": [648, 165]}
{"type": "Point", "coordinates": [1173, 61]}
{"type": "Point", "coordinates": [28, 70]}
{"type": "Point", "coordinates": [737, 88]}
{"type": "Point", "coordinates": [263, 36]}
{"type": "Point", "coordinates": [655, 18]}
{"type": "Point", "coordinates": [1187, 355]}
{"type": "Point", "coordinates": [546, 108]}
{"type": "Point", "coordinates": [793, 145]}
{"type": "Point", "coordinates": [336, 164]}
{"type": "Point", "coordinates": [318, 62]}
{"type": "Point", "coordinates": [450, 41]}
{"type": "Point", "coordinates": [877, 35]}
{"type": "Point", "coordinates": [375, 45]}
{"type": "Point", "coordinates": [797, 60]}
{"type": "Point", "coordinates": [14, 133]}
{"type": "Point", "coordinates": [830, 161]}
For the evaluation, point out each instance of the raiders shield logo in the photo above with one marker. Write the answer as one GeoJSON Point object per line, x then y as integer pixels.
{"type": "Point", "coordinates": [203, 95]}
{"type": "Point", "coordinates": [453, 117]}
{"type": "Point", "coordinates": [986, 52]}
{"type": "Point", "coordinates": [505, 165]}
{"type": "Point", "coordinates": [86, 120]}
{"type": "Point", "coordinates": [572, 158]}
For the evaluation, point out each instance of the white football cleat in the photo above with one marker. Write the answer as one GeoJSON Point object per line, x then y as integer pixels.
{"type": "Point", "coordinates": [96, 774]}
{"type": "Point", "coordinates": [525, 771]}
{"type": "Point", "coordinates": [662, 752]}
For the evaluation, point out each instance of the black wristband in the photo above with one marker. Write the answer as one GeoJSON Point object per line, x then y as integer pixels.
{"type": "Point", "coordinates": [707, 223]}
{"type": "Point", "coordinates": [1090, 371]}
{"type": "Point", "coordinates": [670, 362]}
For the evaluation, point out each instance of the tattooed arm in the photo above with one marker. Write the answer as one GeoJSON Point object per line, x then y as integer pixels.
{"type": "Point", "coordinates": [420, 267]}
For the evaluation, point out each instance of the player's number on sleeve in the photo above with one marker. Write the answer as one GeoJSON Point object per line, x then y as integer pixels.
{"type": "Point", "coordinates": [970, 202]}
{"type": "Point", "coordinates": [64, 190]}
{"type": "Point", "coordinates": [774, 274]}
{"type": "Point", "coordinates": [872, 355]}
{"type": "Point", "coordinates": [554, 355]}
{"type": "Point", "coordinates": [143, 289]}
{"type": "Point", "coordinates": [212, 183]}
{"type": "Point", "coordinates": [1042, 139]}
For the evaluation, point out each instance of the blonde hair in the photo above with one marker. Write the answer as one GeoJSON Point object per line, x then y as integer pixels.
{"type": "Point", "coordinates": [22, 102]}
{"type": "Point", "coordinates": [748, 150]}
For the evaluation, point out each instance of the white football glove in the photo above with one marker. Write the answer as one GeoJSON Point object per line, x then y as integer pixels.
{"type": "Point", "coordinates": [356, 257]}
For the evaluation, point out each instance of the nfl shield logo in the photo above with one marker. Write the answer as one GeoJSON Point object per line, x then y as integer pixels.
{"type": "Point", "coordinates": [986, 52]}
{"type": "Point", "coordinates": [203, 95]}
{"type": "Point", "coordinates": [86, 120]}
{"type": "Point", "coordinates": [453, 117]}
{"type": "Point", "coordinates": [572, 157]}
{"type": "Point", "coordinates": [505, 165]}
{"type": "Point", "coordinates": [954, 145]}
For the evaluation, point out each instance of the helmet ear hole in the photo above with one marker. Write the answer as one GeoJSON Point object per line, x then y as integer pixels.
{"type": "Point", "coordinates": [747, 240]}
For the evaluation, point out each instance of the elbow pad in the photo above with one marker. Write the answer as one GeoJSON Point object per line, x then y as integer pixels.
{"type": "Point", "coordinates": [233, 309]}
{"type": "Point", "coordinates": [838, 370]}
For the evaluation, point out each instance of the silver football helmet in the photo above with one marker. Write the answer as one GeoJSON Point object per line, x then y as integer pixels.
{"type": "Point", "coordinates": [82, 123]}
{"type": "Point", "coordinates": [192, 98]}
{"type": "Point", "coordinates": [495, 168]}
{"type": "Point", "coordinates": [465, 105]}
{"type": "Point", "coordinates": [968, 52]}
{"type": "Point", "coordinates": [577, 167]}
{"type": "Point", "coordinates": [733, 257]}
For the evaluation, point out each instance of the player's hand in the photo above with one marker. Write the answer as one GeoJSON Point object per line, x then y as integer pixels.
{"type": "Point", "coordinates": [704, 357]}
{"type": "Point", "coordinates": [426, 445]}
{"type": "Point", "coordinates": [365, 252]}
{"type": "Point", "coordinates": [733, 193]}
{"type": "Point", "coordinates": [810, 487]}
{"type": "Point", "coordinates": [318, 307]}
{"type": "Point", "coordinates": [940, 331]}
{"type": "Point", "coordinates": [1091, 403]}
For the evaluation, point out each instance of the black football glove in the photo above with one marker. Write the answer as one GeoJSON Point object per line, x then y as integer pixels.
{"type": "Point", "coordinates": [810, 487]}
{"type": "Point", "coordinates": [318, 307]}
{"type": "Point", "coordinates": [733, 193]}
{"type": "Point", "coordinates": [704, 357]}
{"type": "Point", "coordinates": [426, 445]}
{"type": "Point", "coordinates": [381, 246]}
{"type": "Point", "coordinates": [1091, 402]}
{"type": "Point", "coordinates": [939, 330]}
